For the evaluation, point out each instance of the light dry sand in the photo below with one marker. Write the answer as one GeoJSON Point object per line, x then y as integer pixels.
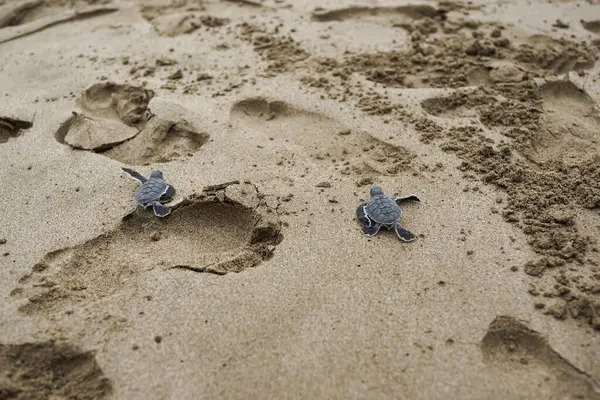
{"type": "Point", "coordinates": [266, 288]}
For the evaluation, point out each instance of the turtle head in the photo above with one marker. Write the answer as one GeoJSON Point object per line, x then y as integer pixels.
{"type": "Point", "coordinates": [376, 191]}
{"type": "Point", "coordinates": [156, 174]}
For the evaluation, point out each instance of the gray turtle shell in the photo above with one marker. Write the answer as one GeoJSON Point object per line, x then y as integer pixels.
{"type": "Point", "coordinates": [383, 210]}
{"type": "Point", "coordinates": [151, 190]}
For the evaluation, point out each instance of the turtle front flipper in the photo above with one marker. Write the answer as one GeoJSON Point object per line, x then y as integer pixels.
{"type": "Point", "coordinates": [160, 210]}
{"type": "Point", "coordinates": [364, 220]}
{"type": "Point", "coordinates": [134, 174]}
{"type": "Point", "coordinates": [403, 234]}
{"type": "Point", "coordinates": [412, 197]}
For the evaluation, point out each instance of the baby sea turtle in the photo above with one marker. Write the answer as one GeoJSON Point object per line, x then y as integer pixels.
{"type": "Point", "coordinates": [153, 192]}
{"type": "Point", "coordinates": [385, 211]}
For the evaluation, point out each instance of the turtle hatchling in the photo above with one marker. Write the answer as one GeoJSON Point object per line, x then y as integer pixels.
{"type": "Point", "coordinates": [153, 192]}
{"type": "Point", "coordinates": [382, 210]}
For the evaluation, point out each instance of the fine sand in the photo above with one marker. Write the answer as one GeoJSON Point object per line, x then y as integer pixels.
{"type": "Point", "coordinates": [273, 119]}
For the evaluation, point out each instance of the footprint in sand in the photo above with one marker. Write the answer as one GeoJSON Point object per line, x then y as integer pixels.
{"type": "Point", "coordinates": [111, 114]}
{"type": "Point", "coordinates": [522, 355]}
{"type": "Point", "coordinates": [592, 26]}
{"type": "Point", "coordinates": [228, 228]}
{"type": "Point", "coordinates": [549, 54]}
{"type": "Point", "coordinates": [44, 370]}
{"type": "Point", "coordinates": [453, 106]}
{"type": "Point", "coordinates": [571, 125]}
{"type": "Point", "coordinates": [355, 27]}
{"type": "Point", "coordinates": [326, 140]}
{"type": "Point", "coordinates": [496, 71]}
{"type": "Point", "coordinates": [569, 120]}
{"type": "Point", "coordinates": [387, 15]}
{"type": "Point", "coordinates": [530, 54]}
{"type": "Point", "coordinates": [24, 17]}
{"type": "Point", "coordinates": [11, 128]}
{"type": "Point", "coordinates": [115, 121]}
{"type": "Point", "coordinates": [535, 53]}
{"type": "Point", "coordinates": [179, 18]}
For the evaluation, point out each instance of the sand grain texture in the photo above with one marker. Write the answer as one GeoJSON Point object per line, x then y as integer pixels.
{"type": "Point", "coordinates": [272, 119]}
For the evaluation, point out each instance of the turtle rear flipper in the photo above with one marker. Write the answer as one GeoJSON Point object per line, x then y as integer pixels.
{"type": "Point", "coordinates": [403, 234]}
{"type": "Point", "coordinates": [160, 210]}
{"type": "Point", "coordinates": [362, 216]}
{"type": "Point", "coordinates": [168, 194]}
{"type": "Point", "coordinates": [134, 174]}
{"type": "Point", "coordinates": [412, 197]}
{"type": "Point", "coordinates": [369, 227]}
{"type": "Point", "coordinates": [371, 230]}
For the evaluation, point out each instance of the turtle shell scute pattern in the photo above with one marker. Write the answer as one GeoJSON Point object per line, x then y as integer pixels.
{"type": "Point", "coordinates": [150, 191]}
{"type": "Point", "coordinates": [383, 210]}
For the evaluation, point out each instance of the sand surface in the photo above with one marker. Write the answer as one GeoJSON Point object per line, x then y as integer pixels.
{"type": "Point", "coordinates": [272, 120]}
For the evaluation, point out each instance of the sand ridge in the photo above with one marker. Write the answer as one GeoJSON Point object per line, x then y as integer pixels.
{"type": "Point", "coordinates": [272, 123]}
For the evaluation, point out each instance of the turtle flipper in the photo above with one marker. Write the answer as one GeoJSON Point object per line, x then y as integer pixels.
{"type": "Point", "coordinates": [134, 174]}
{"type": "Point", "coordinates": [369, 227]}
{"type": "Point", "coordinates": [372, 229]}
{"type": "Point", "coordinates": [403, 234]}
{"type": "Point", "coordinates": [168, 194]}
{"type": "Point", "coordinates": [160, 210]}
{"type": "Point", "coordinates": [412, 197]}
{"type": "Point", "coordinates": [362, 216]}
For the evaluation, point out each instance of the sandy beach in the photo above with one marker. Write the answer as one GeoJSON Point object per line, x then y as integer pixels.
{"type": "Point", "coordinates": [272, 120]}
